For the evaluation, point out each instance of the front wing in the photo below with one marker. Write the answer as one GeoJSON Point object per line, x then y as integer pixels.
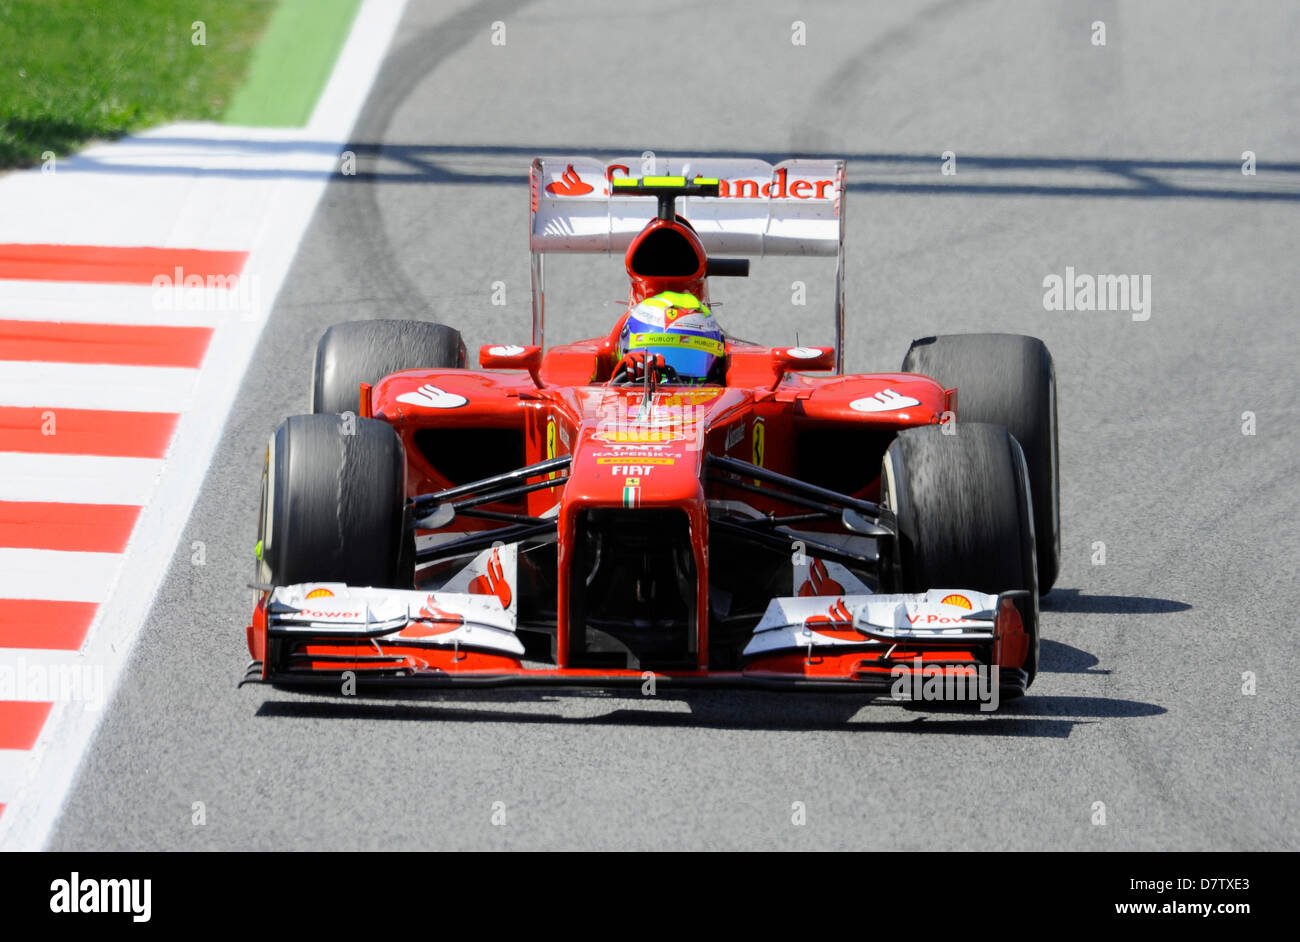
{"type": "Point", "coordinates": [904, 645]}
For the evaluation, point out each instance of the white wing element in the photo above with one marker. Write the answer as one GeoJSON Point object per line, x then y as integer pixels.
{"type": "Point", "coordinates": [936, 615]}
{"type": "Point", "coordinates": [492, 572]}
{"type": "Point", "coordinates": [789, 208]}
{"type": "Point", "coordinates": [460, 619]}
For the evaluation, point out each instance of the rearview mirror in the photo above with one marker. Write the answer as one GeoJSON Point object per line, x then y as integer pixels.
{"type": "Point", "coordinates": [803, 358]}
{"type": "Point", "coordinates": [512, 357]}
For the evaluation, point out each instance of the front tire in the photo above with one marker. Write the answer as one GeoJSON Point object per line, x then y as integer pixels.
{"type": "Point", "coordinates": [964, 516]}
{"type": "Point", "coordinates": [357, 352]}
{"type": "Point", "coordinates": [1008, 380]}
{"type": "Point", "coordinates": [333, 505]}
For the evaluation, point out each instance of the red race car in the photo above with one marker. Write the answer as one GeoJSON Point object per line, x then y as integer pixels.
{"type": "Point", "coordinates": [665, 504]}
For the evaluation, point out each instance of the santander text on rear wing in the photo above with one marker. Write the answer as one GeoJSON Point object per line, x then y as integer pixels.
{"type": "Point", "coordinates": [795, 207]}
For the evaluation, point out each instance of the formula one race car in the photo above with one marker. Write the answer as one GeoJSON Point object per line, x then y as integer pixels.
{"type": "Point", "coordinates": [666, 503]}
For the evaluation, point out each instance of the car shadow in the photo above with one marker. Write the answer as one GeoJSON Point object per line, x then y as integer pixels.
{"type": "Point", "coordinates": [1033, 716]}
{"type": "Point", "coordinates": [1075, 602]}
{"type": "Point", "coordinates": [1056, 657]}
{"type": "Point", "coordinates": [1036, 716]}
{"type": "Point", "coordinates": [877, 172]}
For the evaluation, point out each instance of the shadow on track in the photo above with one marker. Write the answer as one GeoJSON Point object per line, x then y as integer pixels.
{"type": "Point", "coordinates": [1074, 601]}
{"type": "Point", "coordinates": [1018, 175]}
{"type": "Point", "coordinates": [1056, 657]}
{"type": "Point", "coordinates": [1047, 716]}
{"type": "Point", "coordinates": [1052, 717]}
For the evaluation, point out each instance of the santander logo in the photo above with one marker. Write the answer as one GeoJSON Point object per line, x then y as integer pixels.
{"type": "Point", "coordinates": [887, 400]}
{"type": "Point", "coordinates": [781, 186]}
{"type": "Point", "coordinates": [493, 582]}
{"type": "Point", "coordinates": [569, 184]}
{"type": "Point", "coordinates": [836, 623]}
{"type": "Point", "coordinates": [819, 581]}
{"type": "Point", "coordinates": [432, 620]}
{"type": "Point", "coordinates": [431, 397]}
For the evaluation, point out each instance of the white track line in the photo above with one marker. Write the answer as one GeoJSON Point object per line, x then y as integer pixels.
{"type": "Point", "coordinates": [15, 766]}
{"type": "Point", "coordinates": [284, 210]}
{"type": "Point", "coordinates": [101, 304]}
{"type": "Point", "coordinates": [96, 386]}
{"type": "Point", "coordinates": [57, 575]}
{"type": "Point", "coordinates": [78, 479]}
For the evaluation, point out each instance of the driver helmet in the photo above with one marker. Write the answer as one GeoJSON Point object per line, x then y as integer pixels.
{"type": "Point", "coordinates": [678, 327]}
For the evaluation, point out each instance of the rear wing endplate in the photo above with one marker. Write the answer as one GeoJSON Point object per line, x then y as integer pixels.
{"type": "Point", "coordinates": [795, 207]}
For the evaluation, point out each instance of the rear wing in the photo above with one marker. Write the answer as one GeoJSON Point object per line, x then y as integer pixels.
{"type": "Point", "coordinates": [795, 207]}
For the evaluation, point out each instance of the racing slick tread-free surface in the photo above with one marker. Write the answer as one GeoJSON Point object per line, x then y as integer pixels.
{"type": "Point", "coordinates": [338, 502]}
{"type": "Point", "coordinates": [357, 352]}
{"type": "Point", "coordinates": [964, 515]}
{"type": "Point", "coordinates": [1007, 379]}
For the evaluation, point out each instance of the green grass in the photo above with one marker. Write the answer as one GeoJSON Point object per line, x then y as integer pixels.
{"type": "Point", "coordinates": [72, 71]}
{"type": "Point", "coordinates": [292, 63]}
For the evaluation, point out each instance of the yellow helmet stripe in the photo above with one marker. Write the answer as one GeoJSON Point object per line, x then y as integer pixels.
{"type": "Point", "coordinates": [689, 341]}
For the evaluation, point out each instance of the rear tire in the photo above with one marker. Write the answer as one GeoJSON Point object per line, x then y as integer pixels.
{"type": "Point", "coordinates": [964, 516]}
{"type": "Point", "coordinates": [333, 504]}
{"type": "Point", "coordinates": [359, 352]}
{"type": "Point", "coordinates": [1007, 380]}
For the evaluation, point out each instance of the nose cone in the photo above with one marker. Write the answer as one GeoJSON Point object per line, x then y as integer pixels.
{"type": "Point", "coordinates": [632, 454]}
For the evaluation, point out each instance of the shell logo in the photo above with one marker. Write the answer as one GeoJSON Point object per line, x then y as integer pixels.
{"type": "Point", "coordinates": [959, 600]}
{"type": "Point", "coordinates": [641, 434]}
{"type": "Point", "coordinates": [320, 594]}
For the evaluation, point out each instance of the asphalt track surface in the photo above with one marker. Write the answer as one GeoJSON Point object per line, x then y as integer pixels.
{"type": "Point", "coordinates": [1122, 159]}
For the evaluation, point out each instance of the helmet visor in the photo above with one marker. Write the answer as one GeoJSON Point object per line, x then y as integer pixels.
{"type": "Point", "coordinates": [691, 355]}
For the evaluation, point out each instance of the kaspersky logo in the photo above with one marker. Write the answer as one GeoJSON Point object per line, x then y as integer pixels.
{"type": "Point", "coordinates": [571, 183]}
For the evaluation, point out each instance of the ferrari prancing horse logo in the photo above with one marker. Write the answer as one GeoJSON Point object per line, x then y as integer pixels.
{"type": "Point", "coordinates": [551, 449]}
